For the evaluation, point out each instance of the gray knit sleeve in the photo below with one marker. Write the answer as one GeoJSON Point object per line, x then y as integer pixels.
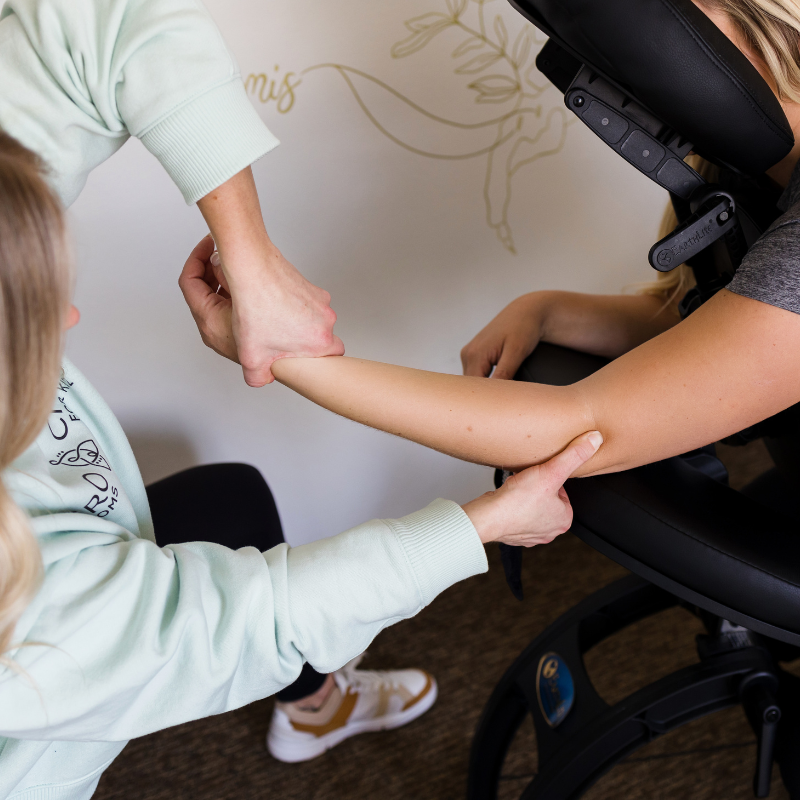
{"type": "Point", "coordinates": [770, 271]}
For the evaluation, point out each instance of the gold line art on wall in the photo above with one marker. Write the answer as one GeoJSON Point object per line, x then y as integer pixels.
{"type": "Point", "coordinates": [530, 121]}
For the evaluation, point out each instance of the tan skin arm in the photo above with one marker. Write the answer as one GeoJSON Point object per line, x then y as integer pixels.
{"type": "Point", "coordinates": [732, 363]}
{"type": "Point", "coordinates": [605, 325]}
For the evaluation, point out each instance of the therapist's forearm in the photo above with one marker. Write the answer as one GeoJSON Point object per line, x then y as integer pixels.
{"type": "Point", "coordinates": [233, 214]}
{"type": "Point", "coordinates": [732, 363]}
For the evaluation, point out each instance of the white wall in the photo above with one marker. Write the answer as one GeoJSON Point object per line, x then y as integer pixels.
{"type": "Point", "coordinates": [400, 240]}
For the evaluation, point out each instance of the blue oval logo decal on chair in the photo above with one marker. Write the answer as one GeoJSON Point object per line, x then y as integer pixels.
{"type": "Point", "coordinates": [555, 688]}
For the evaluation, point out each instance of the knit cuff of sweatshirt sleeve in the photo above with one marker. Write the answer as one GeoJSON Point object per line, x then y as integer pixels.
{"type": "Point", "coordinates": [209, 139]}
{"type": "Point", "coordinates": [442, 546]}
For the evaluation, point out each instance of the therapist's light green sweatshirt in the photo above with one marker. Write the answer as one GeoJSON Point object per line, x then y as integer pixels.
{"type": "Point", "coordinates": [78, 78]}
{"type": "Point", "coordinates": [126, 637]}
{"type": "Point", "coordinates": [137, 638]}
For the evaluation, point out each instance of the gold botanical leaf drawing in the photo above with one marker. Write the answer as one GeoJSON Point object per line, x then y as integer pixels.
{"type": "Point", "coordinates": [479, 63]}
{"type": "Point", "coordinates": [427, 21]}
{"type": "Point", "coordinates": [495, 89]}
{"type": "Point", "coordinates": [467, 46]}
{"type": "Point", "coordinates": [522, 48]}
{"type": "Point", "coordinates": [457, 7]}
{"type": "Point", "coordinates": [423, 30]}
{"type": "Point", "coordinates": [501, 31]}
{"type": "Point", "coordinates": [524, 128]}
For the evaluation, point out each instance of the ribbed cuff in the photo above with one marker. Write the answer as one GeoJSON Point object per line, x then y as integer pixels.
{"type": "Point", "coordinates": [442, 546]}
{"type": "Point", "coordinates": [208, 140]}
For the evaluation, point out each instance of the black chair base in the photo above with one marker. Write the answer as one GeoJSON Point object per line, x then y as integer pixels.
{"type": "Point", "coordinates": [734, 667]}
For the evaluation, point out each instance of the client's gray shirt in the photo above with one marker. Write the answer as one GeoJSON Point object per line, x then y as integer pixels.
{"type": "Point", "coordinates": [770, 271]}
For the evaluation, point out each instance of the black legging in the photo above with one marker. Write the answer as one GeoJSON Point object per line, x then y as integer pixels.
{"type": "Point", "coordinates": [229, 504]}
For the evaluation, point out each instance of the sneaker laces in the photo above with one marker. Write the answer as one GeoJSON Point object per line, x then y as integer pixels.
{"type": "Point", "coordinates": [369, 680]}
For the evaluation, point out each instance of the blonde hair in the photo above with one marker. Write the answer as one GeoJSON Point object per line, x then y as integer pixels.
{"type": "Point", "coordinates": [771, 30]}
{"type": "Point", "coordinates": [35, 286]}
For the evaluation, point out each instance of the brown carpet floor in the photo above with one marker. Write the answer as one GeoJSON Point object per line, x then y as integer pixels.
{"type": "Point", "coordinates": [467, 638]}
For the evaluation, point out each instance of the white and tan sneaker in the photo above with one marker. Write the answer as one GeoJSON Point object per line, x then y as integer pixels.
{"type": "Point", "coordinates": [361, 701]}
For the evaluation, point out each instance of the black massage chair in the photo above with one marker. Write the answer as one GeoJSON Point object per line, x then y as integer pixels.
{"type": "Point", "coordinates": [655, 79]}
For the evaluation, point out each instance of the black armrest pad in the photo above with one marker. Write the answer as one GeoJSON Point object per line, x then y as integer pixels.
{"type": "Point", "coordinates": [699, 533]}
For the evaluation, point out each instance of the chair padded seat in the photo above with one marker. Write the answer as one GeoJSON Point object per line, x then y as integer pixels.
{"type": "Point", "coordinates": [681, 529]}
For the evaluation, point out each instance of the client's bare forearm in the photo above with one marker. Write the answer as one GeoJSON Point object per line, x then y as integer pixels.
{"type": "Point", "coordinates": [604, 325]}
{"type": "Point", "coordinates": [732, 363]}
{"type": "Point", "coordinates": [499, 423]}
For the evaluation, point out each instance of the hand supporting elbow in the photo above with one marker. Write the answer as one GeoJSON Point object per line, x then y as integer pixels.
{"type": "Point", "coordinates": [532, 506]}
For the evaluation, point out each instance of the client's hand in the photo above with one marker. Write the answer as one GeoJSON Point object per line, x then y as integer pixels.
{"type": "Point", "coordinates": [532, 506]}
{"type": "Point", "coordinates": [508, 339]}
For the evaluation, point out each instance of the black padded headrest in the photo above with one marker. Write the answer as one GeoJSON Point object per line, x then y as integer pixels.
{"type": "Point", "coordinates": [673, 60]}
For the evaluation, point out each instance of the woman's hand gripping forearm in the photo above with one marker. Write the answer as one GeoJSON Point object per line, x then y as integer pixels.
{"type": "Point", "coordinates": [253, 307]}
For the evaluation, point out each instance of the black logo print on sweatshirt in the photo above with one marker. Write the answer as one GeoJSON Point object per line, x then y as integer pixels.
{"type": "Point", "coordinates": [60, 421]}
{"type": "Point", "coordinates": [98, 484]}
{"type": "Point", "coordinates": [61, 416]}
{"type": "Point", "coordinates": [86, 454]}
{"type": "Point", "coordinates": [94, 506]}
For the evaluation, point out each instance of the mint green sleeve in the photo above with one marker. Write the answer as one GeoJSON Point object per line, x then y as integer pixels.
{"type": "Point", "coordinates": [79, 77]}
{"type": "Point", "coordinates": [136, 638]}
